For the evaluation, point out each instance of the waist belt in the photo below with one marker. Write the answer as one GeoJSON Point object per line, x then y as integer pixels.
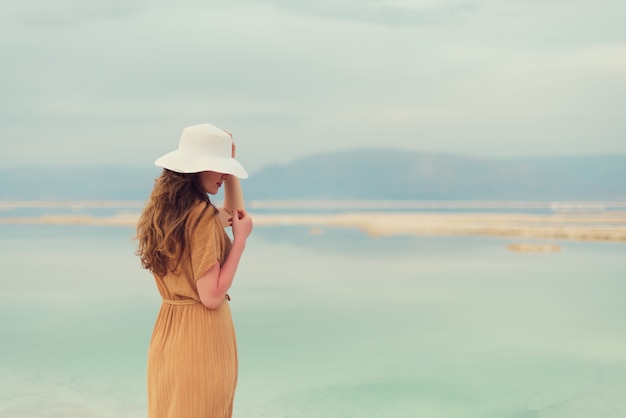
{"type": "Point", "coordinates": [181, 301]}
{"type": "Point", "coordinates": [186, 301]}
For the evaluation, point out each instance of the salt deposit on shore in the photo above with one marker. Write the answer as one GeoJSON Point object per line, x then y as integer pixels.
{"type": "Point", "coordinates": [603, 226]}
{"type": "Point", "coordinates": [532, 247]}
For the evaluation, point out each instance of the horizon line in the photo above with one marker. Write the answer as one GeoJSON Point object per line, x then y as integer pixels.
{"type": "Point", "coordinates": [268, 204]}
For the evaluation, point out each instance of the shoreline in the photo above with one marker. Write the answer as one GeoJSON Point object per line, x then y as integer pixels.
{"type": "Point", "coordinates": [599, 227]}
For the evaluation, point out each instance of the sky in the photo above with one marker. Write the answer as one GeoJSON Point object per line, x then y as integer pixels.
{"type": "Point", "coordinates": [114, 82]}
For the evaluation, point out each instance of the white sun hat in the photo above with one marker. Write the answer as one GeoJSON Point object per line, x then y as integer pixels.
{"type": "Point", "coordinates": [203, 148]}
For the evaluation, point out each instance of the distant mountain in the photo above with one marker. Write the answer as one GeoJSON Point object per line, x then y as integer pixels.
{"type": "Point", "coordinates": [388, 174]}
{"type": "Point", "coordinates": [359, 174]}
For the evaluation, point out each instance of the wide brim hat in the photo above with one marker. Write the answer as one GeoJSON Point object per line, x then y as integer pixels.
{"type": "Point", "coordinates": [203, 148]}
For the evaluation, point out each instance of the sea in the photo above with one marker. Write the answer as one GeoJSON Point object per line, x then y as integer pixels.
{"type": "Point", "coordinates": [332, 324]}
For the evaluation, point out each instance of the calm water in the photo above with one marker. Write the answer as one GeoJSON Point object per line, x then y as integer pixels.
{"type": "Point", "coordinates": [330, 325]}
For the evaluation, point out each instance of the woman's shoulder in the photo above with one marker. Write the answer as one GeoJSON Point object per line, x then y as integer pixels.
{"type": "Point", "coordinates": [201, 212]}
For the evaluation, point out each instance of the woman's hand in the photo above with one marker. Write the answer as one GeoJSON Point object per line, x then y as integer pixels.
{"type": "Point", "coordinates": [241, 223]}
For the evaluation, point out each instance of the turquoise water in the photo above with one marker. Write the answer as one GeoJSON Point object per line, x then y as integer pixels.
{"type": "Point", "coordinates": [330, 325]}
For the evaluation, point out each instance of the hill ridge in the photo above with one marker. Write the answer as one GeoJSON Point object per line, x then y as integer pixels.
{"type": "Point", "coordinates": [365, 173]}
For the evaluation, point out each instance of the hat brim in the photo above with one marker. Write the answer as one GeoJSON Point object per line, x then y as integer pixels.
{"type": "Point", "coordinates": [183, 162]}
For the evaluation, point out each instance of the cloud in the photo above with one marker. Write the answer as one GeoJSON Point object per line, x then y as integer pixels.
{"type": "Point", "coordinates": [61, 13]}
{"type": "Point", "coordinates": [293, 78]}
{"type": "Point", "coordinates": [383, 12]}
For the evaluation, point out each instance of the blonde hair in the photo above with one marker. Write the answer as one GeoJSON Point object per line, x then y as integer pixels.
{"type": "Point", "coordinates": [161, 235]}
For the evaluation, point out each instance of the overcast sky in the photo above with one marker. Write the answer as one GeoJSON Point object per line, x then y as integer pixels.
{"type": "Point", "coordinates": [115, 81]}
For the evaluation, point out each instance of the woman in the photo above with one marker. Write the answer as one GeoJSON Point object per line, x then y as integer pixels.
{"type": "Point", "coordinates": [192, 359]}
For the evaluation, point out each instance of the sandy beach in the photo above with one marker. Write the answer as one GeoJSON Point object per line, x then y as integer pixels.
{"type": "Point", "coordinates": [601, 226]}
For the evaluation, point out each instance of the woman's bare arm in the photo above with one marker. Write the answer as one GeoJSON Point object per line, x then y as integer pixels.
{"type": "Point", "coordinates": [233, 195]}
{"type": "Point", "coordinates": [233, 199]}
{"type": "Point", "coordinates": [214, 284]}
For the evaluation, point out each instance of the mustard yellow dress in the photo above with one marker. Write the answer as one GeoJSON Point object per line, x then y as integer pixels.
{"type": "Point", "coordinates": [192, 359]}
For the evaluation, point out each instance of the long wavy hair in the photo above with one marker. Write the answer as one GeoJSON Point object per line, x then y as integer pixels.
{"type": "Point", "coordinates": [161, 228]}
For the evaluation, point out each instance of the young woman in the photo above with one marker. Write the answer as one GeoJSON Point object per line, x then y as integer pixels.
{"type": "Point", "coordinates": [192, 359]}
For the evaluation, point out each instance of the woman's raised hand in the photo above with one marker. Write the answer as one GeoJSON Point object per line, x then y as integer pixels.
{"type": "Point", "coordinates": [241, 223]}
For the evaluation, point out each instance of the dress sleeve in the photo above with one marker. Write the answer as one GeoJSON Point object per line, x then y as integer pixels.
{"type": "Point", "coordinates": [205, 247]}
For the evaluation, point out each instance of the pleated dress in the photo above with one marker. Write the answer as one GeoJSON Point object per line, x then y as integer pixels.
{"type": "Point", "coordinates": [192, 359]}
